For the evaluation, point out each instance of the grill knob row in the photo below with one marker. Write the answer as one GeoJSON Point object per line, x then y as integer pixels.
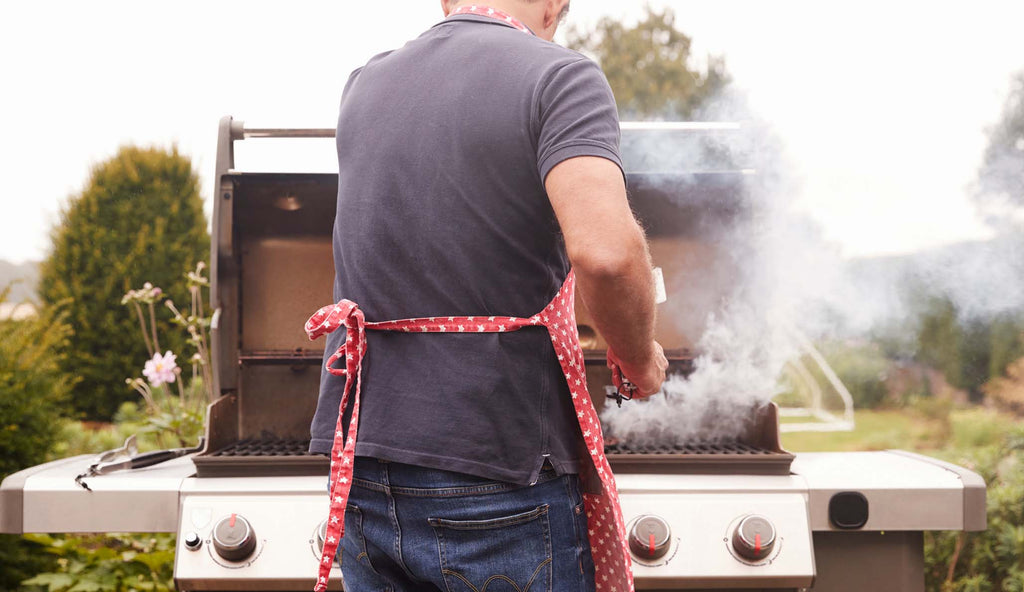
{"type": "Point", "coordinates": [234, 539]}
{"type": "Point", "coordinates": [650, 537]}
{"type": "Point", "coordinates": [754, 537]}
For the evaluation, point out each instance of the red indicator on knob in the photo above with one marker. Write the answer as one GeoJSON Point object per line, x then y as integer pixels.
{"type": "Point", "coordinates": [754, 538]}
{"type": "Point", "coordinates": [232, 523]}
{"type": "Point", "coordinates": [649, 537]}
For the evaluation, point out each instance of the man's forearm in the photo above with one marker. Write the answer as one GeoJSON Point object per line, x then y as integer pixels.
{"type": "Point", "coordinates": [619, 295]}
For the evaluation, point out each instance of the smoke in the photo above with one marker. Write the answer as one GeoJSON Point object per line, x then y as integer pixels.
{"type": "Point", "coordinates": [772, 277]}
{"type": "Point", "coordinates": [775, 277]}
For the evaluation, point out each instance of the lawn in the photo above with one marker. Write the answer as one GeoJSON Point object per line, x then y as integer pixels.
{"type": "Point", "coordinates": [921, 430]}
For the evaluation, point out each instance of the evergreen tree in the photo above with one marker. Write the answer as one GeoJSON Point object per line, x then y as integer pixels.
{"type": "Point", "coordinates": [139, 219]}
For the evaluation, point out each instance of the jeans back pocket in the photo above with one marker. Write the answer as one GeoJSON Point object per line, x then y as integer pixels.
{"type": "Point", "coordinates": [506, 554]}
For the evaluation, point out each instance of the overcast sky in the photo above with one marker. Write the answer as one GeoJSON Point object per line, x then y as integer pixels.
{"type": "Point", "coordinates": [882, 106]}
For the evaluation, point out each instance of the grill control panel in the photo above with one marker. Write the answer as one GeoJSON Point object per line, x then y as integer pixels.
{"type": "Point", "coordinates": [249, 542]}
{"type": "Point", "coordinates": [718, 539]}
{"type": "Point", "coordinates": [685, 532]}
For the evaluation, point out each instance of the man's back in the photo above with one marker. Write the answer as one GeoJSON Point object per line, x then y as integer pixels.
{"type": "Point", "coordinates": [443, 147]}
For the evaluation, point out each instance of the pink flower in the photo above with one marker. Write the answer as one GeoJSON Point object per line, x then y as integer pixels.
{"type": "Point", "coordinates": [160, 369]}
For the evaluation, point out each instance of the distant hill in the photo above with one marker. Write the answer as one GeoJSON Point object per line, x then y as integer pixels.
{"type": "Point", "coordinates": [22, 278]}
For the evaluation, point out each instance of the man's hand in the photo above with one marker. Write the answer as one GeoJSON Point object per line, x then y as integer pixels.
{"type": "Point", "coordinates": [647, 376]}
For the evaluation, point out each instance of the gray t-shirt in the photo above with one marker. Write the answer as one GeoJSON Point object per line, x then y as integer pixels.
{"type": "Point", "coordinates": [443, 148]}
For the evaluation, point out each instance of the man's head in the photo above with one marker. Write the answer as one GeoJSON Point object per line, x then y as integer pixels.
{"type": "Point", "coordinates": [542, 16]}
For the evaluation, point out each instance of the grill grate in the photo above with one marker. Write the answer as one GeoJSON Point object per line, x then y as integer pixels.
{"type": "Point", "coordinates": [282, 447]}
{"type": "Point", "coordinates": [278, 456]}
{"type": "Point", "coordinates": [696, 448]}
{"type": "Point", "coordinates": [265, 447]}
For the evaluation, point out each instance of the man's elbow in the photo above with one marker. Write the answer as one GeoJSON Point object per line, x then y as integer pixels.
{"type": "Point", "coordinates": [612, 260]}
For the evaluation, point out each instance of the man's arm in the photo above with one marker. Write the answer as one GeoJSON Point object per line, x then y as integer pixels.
{"type": "Point", "coordinates": [608, 250]}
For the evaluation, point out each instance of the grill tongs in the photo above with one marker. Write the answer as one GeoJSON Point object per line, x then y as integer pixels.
{"type": "Point", "coordinates": [125, 458]}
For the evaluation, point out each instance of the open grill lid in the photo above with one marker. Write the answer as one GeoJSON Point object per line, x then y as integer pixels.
{"type": "Point", "coordinates": [272, 263]}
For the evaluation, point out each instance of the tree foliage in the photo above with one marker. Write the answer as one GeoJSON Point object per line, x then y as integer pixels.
{"type": "Point", "coordinates": [140, 218]}
{"type": "Point", "coordinates": [650, 66]}
{"type": "Point", "coordinates": [1000, 185]}
{"type": "Point", "coordinates": [968, 351]}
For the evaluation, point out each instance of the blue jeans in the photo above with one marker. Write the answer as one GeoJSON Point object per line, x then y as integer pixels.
{"type": "Point", "coordinates": [413, 529]}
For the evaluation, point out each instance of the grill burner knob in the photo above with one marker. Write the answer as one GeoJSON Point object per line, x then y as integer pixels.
{"type": "Point", "coordinates": [754, 538]}
{"type": "Point", "coordinates": [649, 538]}
{"type": "Point", "coordinates": [193, 542]}
{"type": "Point", "coordinates": [233, 538]}
{"type": "Point", "coordinates": [321, 536]}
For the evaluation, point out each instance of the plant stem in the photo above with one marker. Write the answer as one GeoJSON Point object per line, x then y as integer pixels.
{"type": "Point", "coordinates": [148, 396]}
{"type": "Point", "coordinates": [152, 324]}
{"type": "Point", "coordinates": [960, 539]}
{"type": "Point", "coordinates": [142, 323]}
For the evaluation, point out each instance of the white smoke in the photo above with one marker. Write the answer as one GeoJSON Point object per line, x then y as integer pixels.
{"type": "Point", "coordinates": [783, 274]}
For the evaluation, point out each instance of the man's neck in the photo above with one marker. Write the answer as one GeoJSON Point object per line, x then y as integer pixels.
{"type": "Point", "coordinates": [523, 12]}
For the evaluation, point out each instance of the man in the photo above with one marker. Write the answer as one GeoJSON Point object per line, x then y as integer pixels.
{"type": "Point", "coordinates": [476, 163]}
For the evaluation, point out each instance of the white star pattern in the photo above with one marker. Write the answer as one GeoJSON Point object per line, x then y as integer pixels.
{"type": "Point", "coordinates": [604, 518]}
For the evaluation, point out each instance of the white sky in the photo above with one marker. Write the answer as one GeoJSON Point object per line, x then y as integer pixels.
{"type": "Point", "coordinates": [882, 105]}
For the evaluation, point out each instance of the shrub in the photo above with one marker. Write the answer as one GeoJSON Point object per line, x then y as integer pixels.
{"type": "Point", "coordinates": [862, 368]}
{"type": "Point", "coordinates": [108, 562]}
{"type": "Point", "coordinates": [32, 393]}
{"type": "Point", "coordinates": [1007, 391]}
{"type": "Point", "coordinates": [994, 559]}
{"type": "Point", "coordinates": [140, 218]}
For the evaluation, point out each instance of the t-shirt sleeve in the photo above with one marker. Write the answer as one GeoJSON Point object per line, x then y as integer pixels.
{"type": "Point", "coordinates": [577, 117]}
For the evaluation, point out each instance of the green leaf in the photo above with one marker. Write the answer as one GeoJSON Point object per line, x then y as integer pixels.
{"type": "Point", "coordinates": [86, 586]}
{"type": "Point", "coordinates": [53, 581]}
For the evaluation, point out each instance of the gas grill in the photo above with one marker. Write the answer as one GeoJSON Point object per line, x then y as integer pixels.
{"type": "Point", "coordinates": [738, 513]}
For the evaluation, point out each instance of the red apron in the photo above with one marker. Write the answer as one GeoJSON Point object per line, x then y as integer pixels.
{"type": "Point", "coordinates": [604, 516]}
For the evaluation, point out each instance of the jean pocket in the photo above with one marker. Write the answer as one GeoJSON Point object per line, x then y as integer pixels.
{"type": "Point", "coordinates": [506, 553]}
{"type": "Point", "coordinates": [354, 541]}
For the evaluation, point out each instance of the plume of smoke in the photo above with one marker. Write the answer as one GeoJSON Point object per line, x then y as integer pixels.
{"type": "Point", "coordinates": [773, 276]}
{"type": "Point", "coordinates": [781, 276]}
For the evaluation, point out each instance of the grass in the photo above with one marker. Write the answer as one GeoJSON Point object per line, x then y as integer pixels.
{"type": "Point", "coordinates": [910, 429]}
